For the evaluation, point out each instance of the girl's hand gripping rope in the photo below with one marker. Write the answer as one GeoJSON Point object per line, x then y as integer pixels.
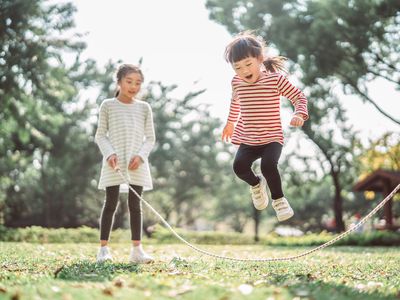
{"type": "Point", "coordinates": [112, 161]}
{"type": "Point", "coordinates": [135, 162]}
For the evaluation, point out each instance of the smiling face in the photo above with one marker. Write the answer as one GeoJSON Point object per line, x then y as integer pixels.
{"type": "Point", "coordinates": [248, 69]}
{"type": "Point", "coordinates": [129, 86]}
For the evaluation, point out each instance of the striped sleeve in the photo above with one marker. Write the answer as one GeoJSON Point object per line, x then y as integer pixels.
{"type": "Point", "coordinates": [149, 135]}
{"type": "Point", "coordinates": [295, 95]}
{"type": "Point", "coordinates": [101, 137]}
{"type": "Point", "coordinates": [234, 109]}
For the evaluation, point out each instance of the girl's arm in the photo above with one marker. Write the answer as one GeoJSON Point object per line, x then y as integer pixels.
{"type": "Point", "coordinates": [234, 112]}
{"type": "Point", "coordinates": [100, 137]}
{"type": "Point", "coordinates": [234, 109]}
{"type": "Point", "coordinates": [149, 134]}
{"type": "Point", "coordinates": [295, 95]}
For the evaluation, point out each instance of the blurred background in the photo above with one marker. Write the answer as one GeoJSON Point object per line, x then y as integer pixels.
{"type": "Point", "coordinates": [57, 64]}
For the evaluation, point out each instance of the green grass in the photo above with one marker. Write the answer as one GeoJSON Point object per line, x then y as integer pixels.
{"type": "Point", "coordinates": [68, 271]}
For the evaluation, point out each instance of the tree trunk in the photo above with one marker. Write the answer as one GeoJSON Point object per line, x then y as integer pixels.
{"type": "Point", "coordinates": [388, 206]}
{"type": "Point", "coordinates": [256, 217]}
{"type": "Point", "coordinates": [338, 202]}
{"type": "Point", "coordinates": [46, 198]}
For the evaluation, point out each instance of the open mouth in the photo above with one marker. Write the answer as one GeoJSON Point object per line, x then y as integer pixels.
{"type": "Point", "coordinates": [248, 77]}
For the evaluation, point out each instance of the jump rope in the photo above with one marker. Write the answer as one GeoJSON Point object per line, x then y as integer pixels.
{"type": "Point", "coordinates": [268, 259]}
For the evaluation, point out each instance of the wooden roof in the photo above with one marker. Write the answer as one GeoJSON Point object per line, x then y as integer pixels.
{"type": "Point", "coordinates": [377, 180]}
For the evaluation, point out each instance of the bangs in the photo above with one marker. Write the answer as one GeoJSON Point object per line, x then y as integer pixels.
{"type": "Point", "coordinates": [242, 48]}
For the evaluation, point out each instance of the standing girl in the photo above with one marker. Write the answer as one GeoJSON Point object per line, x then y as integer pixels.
{"type": "Point", "coordinates": [254, 121]}
{"type": "Point", "coordinates": [125, 136]}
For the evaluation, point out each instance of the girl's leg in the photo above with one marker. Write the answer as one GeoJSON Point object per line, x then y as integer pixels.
{"type": "Point", "coordinates": [245, 156]}
{"type": "Point", "coordinates": [107, 214]}
{"type": "Point", "coordinates": [269, 168]}
{"type": "Point", "coordinates": [135, 212]}
{"type": "Point", "coordinates": [138, 255]}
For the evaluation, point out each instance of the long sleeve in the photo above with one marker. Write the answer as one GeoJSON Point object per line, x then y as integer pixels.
{"type": "Point", "coordinates": [101, 137]}
{"type": "Point", "coordinates": [234, 109]}
{"type": "Point", "coordinates": [149, 134]}
{"type": "Point", "coordinates": [295, 95]}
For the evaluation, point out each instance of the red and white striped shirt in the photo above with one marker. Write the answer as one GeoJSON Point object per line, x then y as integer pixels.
{"type": "Point", "coordinates": [256, 108]}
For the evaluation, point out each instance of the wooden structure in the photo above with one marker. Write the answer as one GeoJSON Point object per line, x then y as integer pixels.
{"type": "Point", "coordinates": [382, 181]}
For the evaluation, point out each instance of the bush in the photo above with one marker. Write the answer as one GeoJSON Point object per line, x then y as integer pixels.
{"type": "Point", "coordinates": [375, 238]}
{"type": "Point", "coordinates": [36, 234]}
{"type": "Point", "coordinates": [162, 235]}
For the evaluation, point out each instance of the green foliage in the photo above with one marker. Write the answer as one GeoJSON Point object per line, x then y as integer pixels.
{"type": "Point", "coordinates": [382, 153]}
{"type": "Point", "coordinates": [324, 38]}
{"type": "Point", "coordinates": [47, 160]}
{"type": "Point", "coordinates": [232, 203]}
{"type": "Point", "coordinates": [312, 35]}
{"type": "Point", "coordinates": [376, 238]}
{"type": "Point", "coordinates": [184, 161]}
{"type": "Point", "coordinates": [381, 238]}
{"type": "Point", "coordinates": [36, 234]}
{"type": "Point", "coordinates": [162, 235]}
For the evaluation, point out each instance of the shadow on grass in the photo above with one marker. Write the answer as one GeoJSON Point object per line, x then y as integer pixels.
{"type": "Point", "coordinates": [91, 271]}
{"type": "Point", "coordinates": [305, 286]}
{"type": "Point", "coordinates": [319, 290]}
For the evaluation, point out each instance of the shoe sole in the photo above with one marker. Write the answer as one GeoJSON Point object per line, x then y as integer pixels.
{"type": "Point", "coordinates": [262, 207]}
{"type": "Point", "coordinates": [286, 216]}
{"type": "Point", "coordinates": [104, 260]}
{"type": "Point", "coordinates": [141, 262]}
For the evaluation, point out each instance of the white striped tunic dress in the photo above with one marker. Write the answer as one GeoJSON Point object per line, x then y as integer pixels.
{"type": "Point", "coordinates": [125, 130]}
{"type": "Point", "coordinates": [256, 108]}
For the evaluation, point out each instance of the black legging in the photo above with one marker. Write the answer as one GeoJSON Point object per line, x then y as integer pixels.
{"type": "Point", "coordinates": [110, 206]}
{"type": "Point", "coordinates": [269, 154]}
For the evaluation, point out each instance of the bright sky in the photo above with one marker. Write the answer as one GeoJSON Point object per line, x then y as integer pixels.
{"type": "Point", "coordinates": [180, 45]}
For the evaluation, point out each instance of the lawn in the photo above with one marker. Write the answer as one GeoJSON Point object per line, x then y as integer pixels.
{"type": "Point", "coordinates": [68, 271]}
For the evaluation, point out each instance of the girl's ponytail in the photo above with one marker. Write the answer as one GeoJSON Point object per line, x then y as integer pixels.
{"type": "Point", "coordinates": [275, 64]}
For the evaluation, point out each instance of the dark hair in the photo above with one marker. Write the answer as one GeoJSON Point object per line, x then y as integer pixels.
{"type": "Point", "coordinates": [246, 44]}
{"type": "Point", "coordinates": [124, 70]}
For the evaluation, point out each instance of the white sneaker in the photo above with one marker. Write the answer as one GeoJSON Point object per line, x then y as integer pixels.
{"type": "Point", "coordinates": [283, 209]}
{"type": "Point", "coordinates": [259, 194]}
{"type": "Point", "coordinates": [104, 254]}
{"type": "Point", "coordinates": [139, 256]}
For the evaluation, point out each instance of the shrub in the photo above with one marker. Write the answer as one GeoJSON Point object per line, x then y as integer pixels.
{"type": "Point", "coordinates": [162, 235]}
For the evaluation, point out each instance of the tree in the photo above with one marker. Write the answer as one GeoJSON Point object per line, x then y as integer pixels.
{"type": "Point", "coordinates": [43, 170]}
{"type": "Point", "coordinates": [382, 153]}
{"type": "Point", "coordinates": [352, 42]}
{"type": "Point", "coordinates": [232, 204]}
{"type": "Point", "coordinates": [332, 156]}
{"type": "Point", "coordinates": [327, 127]}
{"type": "Point", "coordinates": [184, 164]}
